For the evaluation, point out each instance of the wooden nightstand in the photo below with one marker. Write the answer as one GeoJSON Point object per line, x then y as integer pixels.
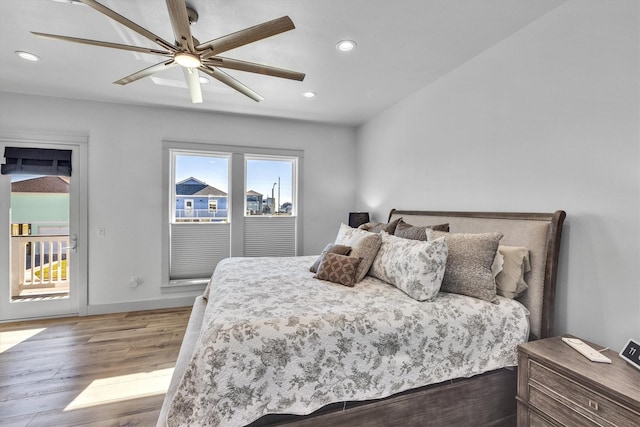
{"type": "Point", "coordinates": [559, 386]}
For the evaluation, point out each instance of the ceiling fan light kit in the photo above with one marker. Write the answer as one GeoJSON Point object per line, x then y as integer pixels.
{"type": "Point", "coordinates": [188, 60]}
{"type": "Point", "coordinates": [189, 53]}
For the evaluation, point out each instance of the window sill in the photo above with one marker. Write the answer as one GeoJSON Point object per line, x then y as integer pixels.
{"type": "Point", "coordinates": [187, 285]}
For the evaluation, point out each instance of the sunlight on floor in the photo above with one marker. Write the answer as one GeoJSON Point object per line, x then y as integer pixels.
{"type": "Point", "coordinates": [124, 387]}
{"type": "Point", "coordinates": [12, 338]}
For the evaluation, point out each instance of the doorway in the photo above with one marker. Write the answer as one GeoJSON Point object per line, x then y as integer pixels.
{"type": "Point", "coordinates": [43, 233]}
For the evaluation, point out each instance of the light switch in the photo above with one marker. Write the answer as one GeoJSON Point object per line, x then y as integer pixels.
{"type": "Point", "coordinates": [101, 232]}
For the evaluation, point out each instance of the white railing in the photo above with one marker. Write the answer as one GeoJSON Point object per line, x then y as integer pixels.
{"type": "Point", "coordinates": [39, 262]}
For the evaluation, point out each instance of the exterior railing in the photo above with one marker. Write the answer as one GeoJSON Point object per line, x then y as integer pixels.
{"type": "Point", "coordinates": [197, 214]}
{"type": "Point", "coordinates": [39, 262]}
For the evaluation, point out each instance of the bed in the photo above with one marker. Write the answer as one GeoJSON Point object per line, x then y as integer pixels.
{"type": "Point", "coordinates": [269, 344]}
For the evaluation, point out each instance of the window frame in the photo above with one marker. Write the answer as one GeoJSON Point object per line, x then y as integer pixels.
{"type": "Point", "coordinates": [294, 180]}
{"type": "Point", "coordinates": [236, 205]}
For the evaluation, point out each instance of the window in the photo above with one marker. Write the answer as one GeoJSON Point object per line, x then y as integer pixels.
{"type": "Point", "coordinates": [226, 201]}
{"type": "Point", "coordinates": [201, 187]}
{"type": "Point", "coordinates": [270, 230]}
{"type": "Point", "coordinates": [269, 185]}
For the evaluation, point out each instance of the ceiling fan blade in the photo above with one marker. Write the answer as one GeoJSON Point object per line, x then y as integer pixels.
{"type": "Point", "coordinates": [146, 72]}
{"type": "Point", "coordinates": [127, 23]}
{"type": "Point", "coordinates": [180, 23]}
{"type": "Point", "coordinates": [252, 67]}
{"type": "Point", "coordinates": [231, 82]}
{"type": "Point", "coordinates": [103, 44]}
{"type": "Point", "coordinates": [192, 78]}
{"type": "Point", "coordinates": [246, 36]}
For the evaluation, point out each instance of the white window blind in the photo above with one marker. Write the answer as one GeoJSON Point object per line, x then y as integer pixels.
{"type": "Point", "coordinates": [196, 249]}
{"type": "Point", "coordinates": [270, 236]}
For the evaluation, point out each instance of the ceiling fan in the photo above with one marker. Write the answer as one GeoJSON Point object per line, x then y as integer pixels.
{"type": "Point", "coordinates": [189, 53]}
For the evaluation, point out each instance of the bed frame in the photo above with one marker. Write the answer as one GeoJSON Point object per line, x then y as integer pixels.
{"type": "Point", "coordinates": [487, 399]}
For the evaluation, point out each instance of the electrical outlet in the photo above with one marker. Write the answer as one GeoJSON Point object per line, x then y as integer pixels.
{"type": "Point", "coordinates": [101, 232]}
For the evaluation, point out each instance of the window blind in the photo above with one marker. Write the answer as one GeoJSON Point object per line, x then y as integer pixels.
{"type": "Point", "coordinates": [36, 161]}
{"type": "Point", "coordinates": [196, 249]}
{"type": "Point", "coordinates": [270, 236]}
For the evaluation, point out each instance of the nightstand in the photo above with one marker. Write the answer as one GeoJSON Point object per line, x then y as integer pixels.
{"type": "Point", "coordinates": [558, 386]}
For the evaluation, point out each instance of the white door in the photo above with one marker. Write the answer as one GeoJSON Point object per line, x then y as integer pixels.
{"type": "Point", "coordinates": [43, 238]}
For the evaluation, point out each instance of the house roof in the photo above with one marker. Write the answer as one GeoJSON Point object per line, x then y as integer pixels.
{"type": "Point", "coordinates": [194, 187]}
{"type": "Point", "coordinates": [253, 193]}
{"type": "Point", "coordinates": [210, 191]}
{"type": "Point", "coordinates": [44, 184]}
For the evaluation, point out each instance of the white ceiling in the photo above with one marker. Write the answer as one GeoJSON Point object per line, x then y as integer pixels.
{"type": "Point", "coordinates": [403, 45]}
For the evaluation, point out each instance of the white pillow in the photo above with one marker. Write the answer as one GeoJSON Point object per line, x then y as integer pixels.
{"type": "Point", "coordinates": [363, 244]}
{"type": "Point", "coordinates": [416, 267]}
{"type": "Point", "coordinates": [510, 281]}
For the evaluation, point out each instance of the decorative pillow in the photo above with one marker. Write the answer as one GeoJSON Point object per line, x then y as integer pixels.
{"type": "Point", "coordinates": [338, 269]}
{"type": "Point", "coordinates": [469, 264]}
{"type": "Point", "coordinates": [363, 244]}
{"type": "Point", "coordinates": [376, 227]}
{"type": "Point", "coordinates": [510, 281]}
{"type": "Point", "coordinates": [408, 231]}
{"type": "Point", "coordinates": [330, 248]}
{"type": "Point", "coordinates": [415, 267]}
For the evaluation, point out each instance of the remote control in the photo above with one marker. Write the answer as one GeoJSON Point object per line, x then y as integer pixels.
{"type": "Point", "coordinates": [587, 351]}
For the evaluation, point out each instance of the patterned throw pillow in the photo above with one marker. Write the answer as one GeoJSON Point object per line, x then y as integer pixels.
{"type": "Point", "coordinates": [338, 269]}
{"type": "Point", "coordinates": [408, 231]}
{"type": "Point", "coordinates": [415, 267]}
{"type": "Point", "coordinates": [469, 264]}
{"type": "Point", "coordinates": [332, 248]}
{"type": "Point", "coordinates": [363, 244]}
{"type": "Point", "coordinates": [376, 227]}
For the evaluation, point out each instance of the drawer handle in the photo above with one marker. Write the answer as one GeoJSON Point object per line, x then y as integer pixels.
{"type": "Point", "coordinates": [593, 405]}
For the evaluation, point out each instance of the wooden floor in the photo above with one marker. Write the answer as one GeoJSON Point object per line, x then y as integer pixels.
{"type": "Point", "coordinates": [108, 370]}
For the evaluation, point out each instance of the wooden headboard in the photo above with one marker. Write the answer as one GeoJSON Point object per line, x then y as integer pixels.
{"type": "Point", "coordinates": [539, 232]}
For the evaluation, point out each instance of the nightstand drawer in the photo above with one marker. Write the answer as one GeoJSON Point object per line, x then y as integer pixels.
{"type": "Point", "coordinates": [536, 420]}
{"type": "Point", "coordinates": [569, 394]}
{"type": "Point", "coordinates": [563, 414]}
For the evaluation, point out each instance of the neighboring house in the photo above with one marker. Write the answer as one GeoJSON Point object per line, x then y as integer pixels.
{"type": "Point", "coordinates": [43, 203]}
{"type": "Point", "coordinates": [254, 202]}
{"type": "Point", "coordinates": [197, 201]}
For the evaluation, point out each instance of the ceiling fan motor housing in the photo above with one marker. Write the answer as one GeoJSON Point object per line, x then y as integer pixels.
{"type": "Point", "coordinates": [192, 15]}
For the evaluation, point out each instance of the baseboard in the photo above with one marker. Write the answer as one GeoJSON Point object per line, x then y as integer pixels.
{"type": "Point", "coordinates": [140, 305]}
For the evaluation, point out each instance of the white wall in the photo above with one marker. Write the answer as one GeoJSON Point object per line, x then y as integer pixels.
{"type": "Point", "coordinates": [546, 119]}
{"type": "Point", "coordinates": [125, 180]}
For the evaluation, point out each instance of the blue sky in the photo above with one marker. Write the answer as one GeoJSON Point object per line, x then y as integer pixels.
{"type": "Point", "coordinates": [261, 174]}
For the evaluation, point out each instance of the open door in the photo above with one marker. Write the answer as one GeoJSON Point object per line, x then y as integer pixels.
{"type": "Point", "coordinates": [42, 230]}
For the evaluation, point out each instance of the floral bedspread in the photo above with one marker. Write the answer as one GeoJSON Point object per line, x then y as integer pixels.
{"type": "Point", "coordinates": [276, 340]}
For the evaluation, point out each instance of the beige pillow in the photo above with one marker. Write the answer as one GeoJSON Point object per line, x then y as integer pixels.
{"type": "Point", "coordinates": [510, 281]}
{"type": "Point", "coordinates": [376, 227]}
{"type": "Point", "coordinates": [363, 244]}
{"type": "Point", "coordinates": [469, 263]}
{"type": "Point", "coordinates": [408, 231]}
{"type": "Point", "coordinates": [330, 248]}
{"type": "Point", "coordinates": [338, 269]}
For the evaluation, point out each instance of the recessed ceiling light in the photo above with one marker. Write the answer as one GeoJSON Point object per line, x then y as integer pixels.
{"type": "Point", "coordinates": [203, 80]}
{"type": "Point", "coordinates": [346, 45]}
{"type": "Point", "coordinates": [309, 94]}
{"type": "Point", "coordinates": [68, 1]}
{"type": "Point", "coordinates": [28, 56]}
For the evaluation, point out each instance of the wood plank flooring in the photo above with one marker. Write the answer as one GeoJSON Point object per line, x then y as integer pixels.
{"type": "Point", "coordinates": [107, 370]}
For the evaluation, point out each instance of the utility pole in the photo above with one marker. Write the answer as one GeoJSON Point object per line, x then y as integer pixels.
{"type": "Point", "coordinates": [278, 194]}
{"type": "Point", "coordinates": [273, 200]}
